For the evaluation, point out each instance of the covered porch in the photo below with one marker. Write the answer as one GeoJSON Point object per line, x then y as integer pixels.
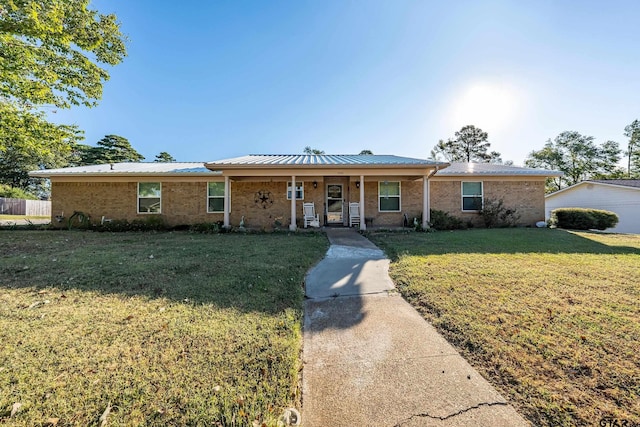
{"type": "Point", "coordinates": [382, 190]}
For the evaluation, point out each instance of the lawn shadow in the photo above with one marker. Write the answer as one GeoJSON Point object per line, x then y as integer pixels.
{"type": "Point", "coordinates": [506, 241]}
{"type": "Point", "coordinates": [253, 272]}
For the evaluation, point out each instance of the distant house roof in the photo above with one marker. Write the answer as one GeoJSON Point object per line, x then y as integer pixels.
{"type": "Point", "coordinates": [490, 169]}
{"type": "Point", "coordinates": [128, 168]}
{"type": "Point", "coordinates": [624, 182]}
{"type": "Point", "coordinates": [633, 184]}
{"type": "Point", "coordinates": [302, 160]}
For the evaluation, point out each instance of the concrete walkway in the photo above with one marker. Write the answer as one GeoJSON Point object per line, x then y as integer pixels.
{"type": "Point", "coordinates": [371, 360]}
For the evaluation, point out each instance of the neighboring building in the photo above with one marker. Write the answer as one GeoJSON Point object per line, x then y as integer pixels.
{"type": "Point", "coordinates": [270, 189]}
{"type": "Point", "coordinates": [621, 196]}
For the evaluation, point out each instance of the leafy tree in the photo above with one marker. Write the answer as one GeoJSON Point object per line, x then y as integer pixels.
{"type": "Point", "coordinates": [309, 150]}
{"type": "Point", "coordinates": [365, 152]}
{"type": "Point", "coordinates": [52, 51]}
{"type": "Point", "coordinates": [29, 142]}
{"type": "Point", "coordinates": [110, 149]}
{"type": "Point", "coordinates": [632, 132]}
{"type": "Point", "coordinates": [164, 157]}
{"type": "Point", "coordinates": [577, 156]}
{"type": "Point", "coordinates": [469, 145]}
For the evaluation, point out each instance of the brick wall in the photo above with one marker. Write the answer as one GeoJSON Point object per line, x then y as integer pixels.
{"type": "Point", "coordinates": [182, 202]}
{"type": "Point", "coordinates": [186, 202]}
{"type": "Point", "coordinates": [527, 197]}
{"type": "Point", "coordinates": [410, 203]}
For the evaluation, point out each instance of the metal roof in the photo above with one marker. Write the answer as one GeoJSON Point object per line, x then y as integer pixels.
{"type": "Point", "coordinates": [129, 168]}
{"type": "Point", "coordinates": [490, 169]}
{"type": "Point", "coordinates": [295, 160]}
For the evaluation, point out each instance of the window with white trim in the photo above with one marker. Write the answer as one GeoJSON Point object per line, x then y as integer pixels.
{"type": "Point", "coordinates": [472, 198]}
{"type": "Point", "coordinates": [299, 190]}
{"type": "Point", "coordinates": [389, 196]}
{"type": "Point", "coordinates": [215, 197]}
{"type": "Point", "coordinates": [149, 197]}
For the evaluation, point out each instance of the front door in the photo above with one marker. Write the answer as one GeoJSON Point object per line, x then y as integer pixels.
{"type": "Point", "coordinates": [334, 204]}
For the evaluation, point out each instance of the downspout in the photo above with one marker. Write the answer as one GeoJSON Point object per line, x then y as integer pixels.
{"type": "Point", "coordinates": [426, 202]}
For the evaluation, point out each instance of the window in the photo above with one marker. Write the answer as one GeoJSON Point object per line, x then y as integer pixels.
{"type": "Point", "coordinates": [299, 190]}
{"type": "Point", "coordinates": [471, 196]}
{"type": "Point", "coordinates": [149, 197]}
{"type": "Point", "coordinates": [215, 197]}
{"type": "Point", "coordinates": [389, 196]}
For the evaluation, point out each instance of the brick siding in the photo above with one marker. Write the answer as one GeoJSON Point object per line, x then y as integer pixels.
{"type": "Point", "coordinates": [185, 202]}
{"type": "Point", "coordinates": [526, 196]}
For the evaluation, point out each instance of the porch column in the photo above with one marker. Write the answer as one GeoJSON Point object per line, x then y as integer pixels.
{"type": "Point", "coordinates": [426, 205]}
{"type": "Point", "coordinates": [226, 207]}
{"type": "Point", "coordinates": [292, 226]}
{"type": "Point", "coordinates": [363, 222]}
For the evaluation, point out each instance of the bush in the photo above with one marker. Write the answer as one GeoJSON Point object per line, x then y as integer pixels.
{"type": "Point", "coordinates": [496, 215]}
{"type": "Point", "coordinates": [441, 220]}
{"type": "Point", "coordinates": [151, 223]}
{"type": "Point", "coordinates": [207, 227]}
{"type": "Point", "coordinates": [583, 219]}
{"type": "Point", "coordinates": [15, 193]}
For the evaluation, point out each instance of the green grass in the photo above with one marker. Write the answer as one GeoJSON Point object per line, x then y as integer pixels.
{"type": "Point", "coordinates": [165, 328]}
{"type": "Point", "coordinates": [550, 317]}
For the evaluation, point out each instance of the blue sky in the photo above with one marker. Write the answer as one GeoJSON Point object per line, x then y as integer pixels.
{"type": "Point", "coordinates": [206, 80]}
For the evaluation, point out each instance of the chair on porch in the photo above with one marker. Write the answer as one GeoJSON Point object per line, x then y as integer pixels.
{"type": "Point", "coordinates": [354, 214]}
{"type": "Point", "coordinates": [310, 216]}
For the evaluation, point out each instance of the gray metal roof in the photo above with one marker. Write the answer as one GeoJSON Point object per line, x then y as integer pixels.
{"type": "Point", "coordinates": [129, 168]}
{"type": "Point", "coordinates": [490, 169]}
{"type": "Point", "coordinates": [288, 160]}
{"type": "Point", "coordinates": [635, 183]}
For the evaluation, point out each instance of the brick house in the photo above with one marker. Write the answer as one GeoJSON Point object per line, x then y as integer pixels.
{"type": "Point", "coordinates": [269, 190]}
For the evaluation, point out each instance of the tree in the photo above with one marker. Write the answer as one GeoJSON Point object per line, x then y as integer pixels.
{"type": "Point", "coordinates": [366, 152]}
{"type": "Point", "coordinates": [29, 142]}
{"type": "Point", "coordinates": [309, 150]}
{"type": "Point", "coordinates": [632, 132]}
{"type": "Point", "coordinates": [164, 157]}
{"type": "Point", "coordinates": [52, 51]}
{"type": "Point", "coordinates": [469, 145]}
{"type": "Point", "coordinates": [110, 149]}
{"type": "Point", "coordinates": [577, 156]}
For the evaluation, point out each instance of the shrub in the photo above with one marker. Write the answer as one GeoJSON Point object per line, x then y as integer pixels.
{"type": "Point", "coordinates": [15, 193]}
{"type": "Point", "coordinates": [496, 215]}
{"type": "Point", "coordinates": [207, 227]}
{"type": "Point", "coordinates": [583, 219]}
{"type": "Point", "coordinates": [151, 223]}
{"type": "Point", "coordinates": [441, 220]}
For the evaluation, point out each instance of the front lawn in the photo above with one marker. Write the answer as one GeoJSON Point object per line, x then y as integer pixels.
{"type": "Point", "coordinates": [550, 317]}
{"type": "Point", "coordinates": [150, 328]}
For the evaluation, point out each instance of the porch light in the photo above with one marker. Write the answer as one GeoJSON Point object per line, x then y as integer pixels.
{"type": "Point", "coordinates": [315, 184]}
{"type": "Point", "coordinates": [357, 184]}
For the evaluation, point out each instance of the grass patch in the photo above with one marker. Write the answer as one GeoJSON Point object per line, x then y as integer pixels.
{"type": "Point", "coordinates": [550, 317]}
{"type": "Point", "coordinates": [166, 328]}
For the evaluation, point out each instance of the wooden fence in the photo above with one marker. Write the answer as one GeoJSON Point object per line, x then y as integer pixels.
{"type": "Point", "coordinates": [24, 207]}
